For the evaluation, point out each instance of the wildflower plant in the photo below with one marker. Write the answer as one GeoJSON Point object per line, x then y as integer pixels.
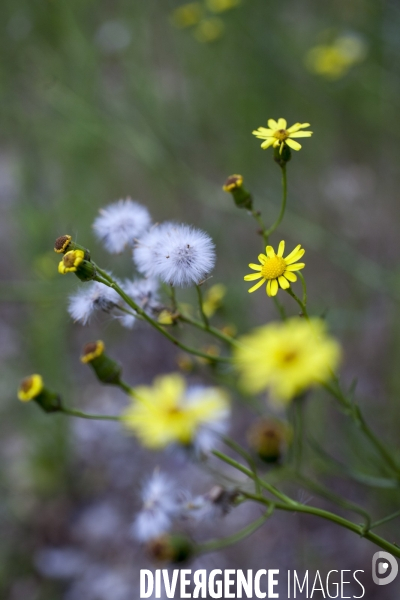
{"type": "Point", "coordinates": [280, 363]}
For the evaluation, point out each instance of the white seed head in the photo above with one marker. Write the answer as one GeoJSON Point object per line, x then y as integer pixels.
{"type": "Point", "coordinates": [120, 223]}
{"type": "Point", "coordinates": [92, 296]}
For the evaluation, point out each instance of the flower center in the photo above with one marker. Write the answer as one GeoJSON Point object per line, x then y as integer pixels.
{"type": "Point", "coordinates": [281, 134]}
{"type": "Point", "coordinates": [273, 267]}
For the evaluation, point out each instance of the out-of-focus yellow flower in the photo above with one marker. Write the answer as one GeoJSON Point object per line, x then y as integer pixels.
{"type": "Point", "coordinates": [275, 269]}
{"type": "Point", "coordinates": [168, 412]}
{"type": "Point", "coordinates": [278, 134]}
{"type": "Point", "coordinates": [213, 299]}
{"type": "Point", "coordinates": [334, 60]}
{"type": "Point", "coordinates": [218, 6]}
{"type": "Point", "coordinates": [286, 358]}
{"type": "Point", "coordinates": [187, 15]}
{"type": "Point", "coordinates": [209, 30]}
{"type": "Point", "coordinates": [71, 261]}
{"type": "Point", "coordinates": [30, 388]}
{"type": "Point", "coordinates": [165, 317]}
{"type": "Point", "coordinates": [212, 350]}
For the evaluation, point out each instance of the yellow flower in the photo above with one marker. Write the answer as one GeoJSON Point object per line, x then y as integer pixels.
{"type": "Point", "coordinates": [30, 388]}
{"type": "Point", "coordinates": [276, 269]}
{"type": "Point", "coordinates": [213, 299]}
{"type": "Point", "coordinates": [219, 6]}
{"type": "Point", "coordinates": [209, 30]}
{"type": "Point", "coordinates": [168, 412]}
{"type": "Point", "coordinates": [71, 261]}
{"type": "Point", "coordinates": [187, 15]}
{"type": "Point", "coordinates": [286, 358]}
{"type": "Point", "coordinates": [277, 135]}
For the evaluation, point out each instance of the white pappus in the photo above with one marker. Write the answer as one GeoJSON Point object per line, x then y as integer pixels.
{"type": "Point", "coordinates": [120, 223]}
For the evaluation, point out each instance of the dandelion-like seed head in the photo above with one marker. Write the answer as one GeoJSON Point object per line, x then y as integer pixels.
{"type": "Point", "coordinates": [179, 255]}
{"type": "Point", "coordinates": [93, 296]}
{"type": "Point", "coordinates": [160, 506]}
{"type": "Point", "coordinates": [120, 223]}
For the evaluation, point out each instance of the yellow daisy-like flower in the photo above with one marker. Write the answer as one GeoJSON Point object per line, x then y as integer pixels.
{"type": "Point", "coordinates": [276, 269]}
{"type": "Point", "coordinates": [168, 412]}
{"type": "Point", "coordinates": [278, 134]}
{"type": "Point", "coordinates": [286, 358]}
{"type": "Point", "coordinates": [30, 388]}
{"type": "Point", "coordinates": [71, 261]}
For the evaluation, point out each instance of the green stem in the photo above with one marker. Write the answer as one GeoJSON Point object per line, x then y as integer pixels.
{"type": "Point", "coordinates": [324, 514]}
{"type": "Point", "coordinates": [355, 412]}
{"type": "Point", "coordinates": [257, 216]}
{"type": "Point", "coordinates": [280, 308]}
{"type": "Point", "coordinates": [248, 457]}
{"type": "Point", "coordinates": [303, 285]}
{"type": "Point", "coordinates": [385, 519]}
{"type": "Point", "coordinates": [297, 417]}
{"type": "Point", "coordinates": [201, 308]}
{"type": "Point", "coordinates": [210, 329]}
{"type": "Point", "coordinates": [82, 415]}
{"type": "Point", "coordinates": [213, 545]}
{"type": "Point", "coordinates": [113, 284]}
{"type": "Point", "coordinates": [283, 205]}
{"type": "Point", "coordinates": [174, 303]}
{"type": "Point", "coordinates": [299, 302]}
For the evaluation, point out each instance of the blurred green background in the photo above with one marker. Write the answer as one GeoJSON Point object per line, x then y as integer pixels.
{"type": "Point", "coordinates": [103, 100]}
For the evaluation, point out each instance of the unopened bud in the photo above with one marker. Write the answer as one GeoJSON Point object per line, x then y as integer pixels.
{"type": "Point", "coordinates": [241, 197]}
{"type": "Point", "coordinates": [106, 369]}
{"type": "Point", "coordinates": [172, 548]}
{"type": "Point", "coordinates": [33, 388]}
{"type": "Point", "coordinates": [269, 438]}
{"type": "Point", "coordinates": [282, 154]}
{"type": "Point", "coordinates": [74, 262]}
{"type": "Point", "coordinates": [65, 243]}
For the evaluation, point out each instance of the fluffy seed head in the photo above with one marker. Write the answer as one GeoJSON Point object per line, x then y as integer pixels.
{"type": "Point", "coordinates": [120, 223]}
{"type": "Point", "coordinates": [93, 296]}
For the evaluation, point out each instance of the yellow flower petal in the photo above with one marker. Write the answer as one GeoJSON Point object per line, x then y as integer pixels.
{"type": "Point", "coordinates": [283, 282]}
{"type": "Point", "coordinates": [270, 251]}
{"type": "Point", "coordinates": [292, 144]}
{"type": "Point", "coordinates": [274, 287]}
{"type": "Point", "coordinates": [255, 267]}
{"type": "Point", "coordinates": [255, 287]}
{"type": "Point", "coordinates": [252, 276]}
{"type": "Point", "coordinates": [289, 257]}
{"type": "Point", "coordinates": [272, 124]}
{"type": "Point", "coordinates": [265, 131]}
{"type": "Point", "coordinates": [295, 257]}
{"type": "Point", "coordinates": [268, 288]}
{"type": "Point", "coordinates": [282, 124]}
{"type": "Point", "coordinates": [281, 248]}
{"type": "Point", "coordinates": [262, 258]}
{"type": "Point", "coordinates": [291, 276]}
{"type": "Point", "coordinates": [301, 134]}
{"type": "Point", "coordinates": [296, 267]}
{"type": "Point", "coordinates": [269, 142]}
{"type": "Point", "coordinates": [298, 126]}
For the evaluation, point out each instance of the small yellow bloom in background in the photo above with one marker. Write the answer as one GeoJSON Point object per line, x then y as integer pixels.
{"type": "Point", "coordinates": [209, 30]}
{"type": "Point", "coordinates": [278, 135]}
{"type": "Point", "coordinates": [213, 299]}
{"type": "Point", "coordinates": [218, 6]}
{"type": "Point", "coordinates": [286, 358]}
{"type": "Point", "coordinates": [333, 61]}
{"type": "Point", "coordinates": [275, 269]}
{"type": "Point", "coordinates": [187, 15]}
{"type": "Point", "coordinates": [30, 388]}
{"type": "Point", "coordinates": [168, 412]}
{"type": "Point", "coordinates": [71, 261]}
{"type": "Point", "coordinates": [165, 317]}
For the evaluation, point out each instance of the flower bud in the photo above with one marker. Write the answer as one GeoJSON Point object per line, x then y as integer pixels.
{"type": "Point", "coordinates": [172, 548]}
{"type": "Point", "coordinates": [74, 262]}
{"type": "Point", "coordinates": [32, 388]}
{"type": "Point", "coordinates": [241, 197]}
{"type": "Point", "coordinates": [106, 369]}
{"type": "Point", "coordinates": [64, 244]}
{"type": "Point", "coordinates": [282, 154]}
{"type": "Point", "coordinates": [268, 438]}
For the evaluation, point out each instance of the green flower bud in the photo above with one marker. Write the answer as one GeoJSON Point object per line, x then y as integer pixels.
{"type": "Point", "coordinates": [65, 243]}
{"type": "Point", "coordinates": [107, 370]}
{"type": "Point", "coordinates": [172, 548]}
{"type": "Point", "coordinates": [33, 388]}
{"type": "Point", "coordinates": [241, 197]}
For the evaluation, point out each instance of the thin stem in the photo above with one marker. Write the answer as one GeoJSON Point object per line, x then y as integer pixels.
{"type": "Point", "coordinates": [174, 303]}
{"type": "Point", "coordinates": [297, 415]}
{"type": "Point", "coordinates": [113, 284]}
{"type": "Point", "coordinates": [126, 388]}
{"type": "Point", "coordinates": [303, 285]}
{"type": "Point", "coordinates": [324, 514]}
{"type": "Point", "coordinates": [210, 329]}
{"type": "Point", "coordinates": [201, 307]}
{"type": "Point", "coordinates": [355, 412]}
{"type": "Point", "coordinates": [248, 457]}
{"type": "Point", "coordinates": [283, 205]}
{"type": "Point", "coordinates": [280, 308]}
{"type": "Point", "coordinates": [257, 216]}
{"type": "Point", "coordinates": [385, 520]}
{"type": "Point", "coordinates": [82, 415]}
{"type": "Point", "coordinates": [299, 302]}
{"type": "Point", "coordinates": [213, 545]}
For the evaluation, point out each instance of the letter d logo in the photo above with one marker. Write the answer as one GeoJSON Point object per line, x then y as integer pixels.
{"type": "Point", "coordinates": [381, 573]}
